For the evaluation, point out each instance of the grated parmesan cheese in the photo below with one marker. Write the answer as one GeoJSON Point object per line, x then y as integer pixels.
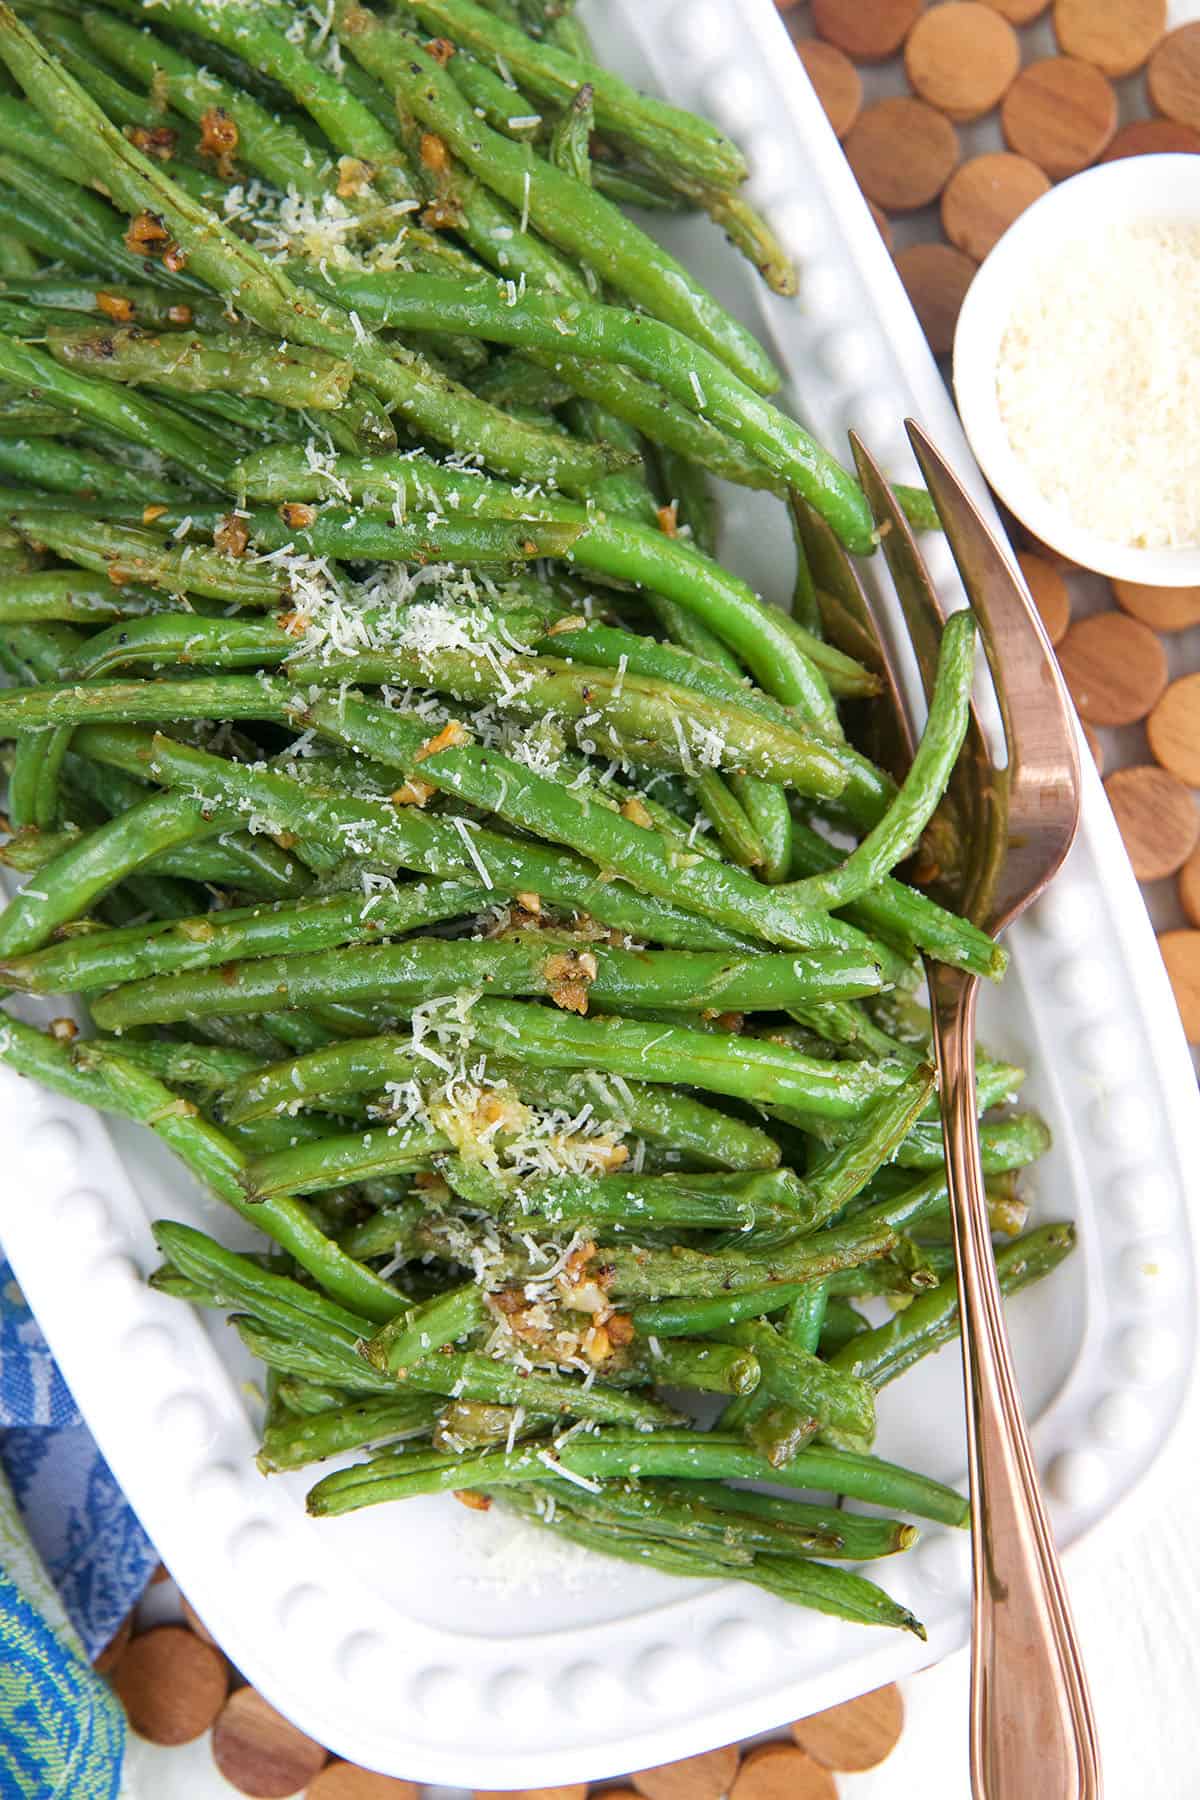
{"type": "Point", "coordinates": [1098, 382]}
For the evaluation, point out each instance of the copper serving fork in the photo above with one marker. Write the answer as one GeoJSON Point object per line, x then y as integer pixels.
{"type": "Point", "coordinates": [998, 838]}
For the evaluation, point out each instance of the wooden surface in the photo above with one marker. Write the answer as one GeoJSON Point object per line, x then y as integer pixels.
{"type": "Point", "coordinates": [902, 152]}
{"type": "Point", "coordinates": [837, 81]}
{"type": "Point", "coordinates": [859, 1735]}
{"type": "Point", "coordinates": [1117, 36]}
{"type": "Point", "coordinates": [259, 1752]}
{"type": "Point", "coordinates": [1115, 667]}
{"type": "Point", "coordinates": [171, 1685]}
{"type": "Point", "coordinates": [782, 1772]}
{"type": "Point", "coordinates": [1060, 113]}
{"type": "Point", "coordinates": [962, 58]}
{"type": "Point", "coordinates": [984, 196]}
{"type": "Point", "coordinates": [936, 278]}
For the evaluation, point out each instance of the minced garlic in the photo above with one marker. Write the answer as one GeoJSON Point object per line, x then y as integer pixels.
{"type": "Point", "coordinates": [1098, 382]}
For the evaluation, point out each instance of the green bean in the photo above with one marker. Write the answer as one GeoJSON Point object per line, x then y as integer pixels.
{"type": "Point", "coordinates": [474, 1376]}
{"type": "Point", "coordinates": [132, 416]}
{"type": "Point", "coordinates": [561, 209]}
{"type": "Point", "coordinates": [188, 363]}
{"type": "Point", "coordinates": [686, 1203]}
{"type": "Point", "coordinates": [813, 1584]}
{"type": "Point", "coordinates": [154, 307]}
{"type": "Point", "coordinates": [294, 1443]}
{"type": "Point", "coordinates": [898, 831]}
{"type": "Point", "coordinates": [260, 38]}
{"type": "Point", "coordinates": [677, 979]}
{"type": "Point", "coordinates": [210, 1067]}
{"type": "Point", "coordinates": [33, 796]}
{"type": "Point", "coordinates": [642, 856]}
{"type": "Point", "coordinates": [693, 1456]}
{"type": "Point", "coordinates": [570, 146]}
{"type": "Point", "coordinates": [730, 821]}
{"type": "Point", "coordinates": [428, 402]}
{"type": "Point", "coordinates": [678, 137]}
{"type": "Point", "coordinates": [881, 1354]}
{"type": "Point", "coordinates": [834, 1398]}
{"type": "Point", "coordinates": [836, 1180]}
{"type": "Point", "coordinates": [62, 219]}
{"type": "Point", "coordinates": [668, 423]}
{"type": "Point", "coordinates": [269, 146]}
{"type": "Point", "coordinates": [685, 1316]}
{"type": "Point", "coordinates": [85, 870]}
{"type": "Point", "coordinates": [367, 1065]}
{"type": "Point", "coordinates": [648, 1274]}
{"type": "Point", "coordinates": [426, 1328]}
{"type": "Point", "coordinates": [231, 1279]}
{"type": "Point", "coordinates": [766, 1520]}
{"type": "Point", "coordinates": [49, 463]}
{"type": "Point", "coordinates": [703, 1368]}
{"type": "Point", "coordinates": [893, 909]}
{"type": "Point", "coordinates": [604, 647]}
{"type": "Point", "coordinates": [336, 1160]}
{"type": "Point", "coordinates": [386, 837]}
{"type": "Point", "coordinates": [743, 1068]}
{"type": "Point", "coordinates": [331, 1363]}
{"type": "Point", "coordinates": [691, 374]}
{"type": "Point", "coordinates": [305, 1399]}
{"type": "Point", "coordinates": [212, 940]}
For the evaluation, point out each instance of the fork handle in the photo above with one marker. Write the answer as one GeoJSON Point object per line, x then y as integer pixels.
{"type": "Point", "coordinates": [1032, 1729]}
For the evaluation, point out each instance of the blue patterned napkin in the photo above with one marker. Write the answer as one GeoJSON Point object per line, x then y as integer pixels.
{"type": "Point", "coordinates": [73, 1560]}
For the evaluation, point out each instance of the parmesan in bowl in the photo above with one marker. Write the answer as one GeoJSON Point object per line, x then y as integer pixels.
{"type": "Point", "coordinates": [1077, 369]}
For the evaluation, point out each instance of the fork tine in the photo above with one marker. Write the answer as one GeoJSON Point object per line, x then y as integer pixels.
{"type": "Point", "coordinates": [1028, 676]}
{"type": "Point", "coordinates": [969, 827]}
{"type": "Point", "coordinates": [849, 622]}
{"type": "Point", "coordinates": [923, 613]}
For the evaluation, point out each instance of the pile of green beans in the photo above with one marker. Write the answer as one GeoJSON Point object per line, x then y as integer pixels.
{"type": "Point", "coordinates": [464, 872]}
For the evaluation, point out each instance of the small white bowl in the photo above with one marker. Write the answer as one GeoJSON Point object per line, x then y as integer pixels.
{"type": "Point", "coordinates": [1131, 190]}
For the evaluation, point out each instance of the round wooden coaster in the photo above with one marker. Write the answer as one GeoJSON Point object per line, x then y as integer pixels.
{"type": "Point", "coordinates": [1115, 668]}
{"type": "Point", "coordinates": [1060, 113]}
{"type": "Point", "coordinates": [1173, 77]}
{"type": "Point", "coordinates": [704, 1777]}
{"type": "Point", "coordinates": [936, 278]}
{"type": "Point", "coordinates": [984, 196]}
{"type": "Point", "coordinates": [837, 82]}
{"type": "Point", "coordinates": [171, 1685]}
{"type": "Point", "coordinates": [1181, 953]}
{"type": "Point", "coordinates": [1115, 36]}
{"type": "Point", "coordinates": [782, 1772]}
{"type": "Point", "coordinates": [867, 33]}
{"type": "Point", "coordinates": [1157, 817]}
{"type": "Point", "coordinates": [346, 1781]}
{"type": "Point", "coordinates": [576, 1791]}
{"type": "Point", "coordinates": [855, 1736]}
{"type": "Point", "coordinates": [1189, 888]}
{"type": "Point", "coordinates": [902, 152]}
{"type": "Point", "coordinates": [1018, 12]}
{"type": "Point", "coordinates": [113, 1651]}
{"type": "Point", "coordinates": [1164, 609]}
{"type": "Point", "coordinates": [1173, 730]}
{"type": "Point", "coordinates": [259, 1752]}
{"type": "Point", "coordinates": [962, 58]}
{"type": "Point", "coordinates": [1152, 137]}
{"type": "Point", "coordinates": [1050, 594]}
